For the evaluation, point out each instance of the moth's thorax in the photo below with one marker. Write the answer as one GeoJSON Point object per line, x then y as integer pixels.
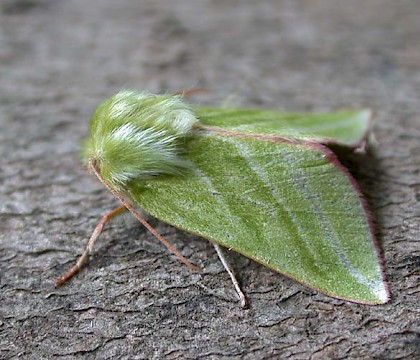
{"type": "Point", "coordinates": [136, 135]}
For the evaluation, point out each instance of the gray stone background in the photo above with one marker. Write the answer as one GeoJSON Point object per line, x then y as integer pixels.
{"type": "Point", "coordinates": [59, 59]}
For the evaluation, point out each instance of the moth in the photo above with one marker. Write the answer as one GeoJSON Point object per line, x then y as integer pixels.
{"type": "Point", "coordinates": [259, 182]}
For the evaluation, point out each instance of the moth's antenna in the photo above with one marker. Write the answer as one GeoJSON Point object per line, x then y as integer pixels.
{"type": "Point", "coordinates": [130, 208]}
{"type": "Point", "coordinates": [188, 92]}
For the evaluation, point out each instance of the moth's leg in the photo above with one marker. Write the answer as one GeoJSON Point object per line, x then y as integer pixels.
{"type": "Point", "coordinates": [229, 269]}
{"type": "Point", "coordinates": [130, 208]}
{"type": "Point", "coordinates": [89, 247]}
{"type": "Point", "coordinates": [149, 227]}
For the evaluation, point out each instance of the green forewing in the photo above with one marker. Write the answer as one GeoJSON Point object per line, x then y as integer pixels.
{"type": "Point", "coordinates": [289, 206]}
{"type": "Point", "coordinates": [346, 128]}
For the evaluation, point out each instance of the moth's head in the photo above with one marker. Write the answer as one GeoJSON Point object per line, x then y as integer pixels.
{"type": "Point", "coordinates": [135, 135]}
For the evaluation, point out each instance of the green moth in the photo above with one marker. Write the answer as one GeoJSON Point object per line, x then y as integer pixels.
{"type": "Point", "coordinates": [262, 183]}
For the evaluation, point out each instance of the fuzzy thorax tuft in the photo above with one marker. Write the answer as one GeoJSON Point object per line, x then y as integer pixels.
{"type": "Point", "coordinates": [136, 135]}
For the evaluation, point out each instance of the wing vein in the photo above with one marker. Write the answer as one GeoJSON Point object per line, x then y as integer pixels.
{"type": "Point", "coordinates": [262, 176]}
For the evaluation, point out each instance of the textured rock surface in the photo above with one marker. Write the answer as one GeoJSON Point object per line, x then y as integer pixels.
{"type": "Point", "coordinates": [58, 59]}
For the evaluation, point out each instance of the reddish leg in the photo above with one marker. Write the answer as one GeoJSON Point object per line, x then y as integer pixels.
{"type": "Point", "coordinates": [125, 206]}
{"type": "Point", "coordinates": [130, 208]}
{"type": "Point", "coordinates": [89, 247]}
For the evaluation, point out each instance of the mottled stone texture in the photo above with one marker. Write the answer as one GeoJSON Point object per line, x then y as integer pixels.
{"type": "Point", "coordinates": [134, 300]}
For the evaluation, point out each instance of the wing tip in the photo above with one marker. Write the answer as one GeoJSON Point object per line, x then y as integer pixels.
{"type": "Point", "coordinates": [379, 296]}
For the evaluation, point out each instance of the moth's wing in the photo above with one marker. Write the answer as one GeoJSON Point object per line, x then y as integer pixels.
{"type": "Point", "coordinates": [348, 128]}
{"type": "Point", "coordinates": [292, 208]}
